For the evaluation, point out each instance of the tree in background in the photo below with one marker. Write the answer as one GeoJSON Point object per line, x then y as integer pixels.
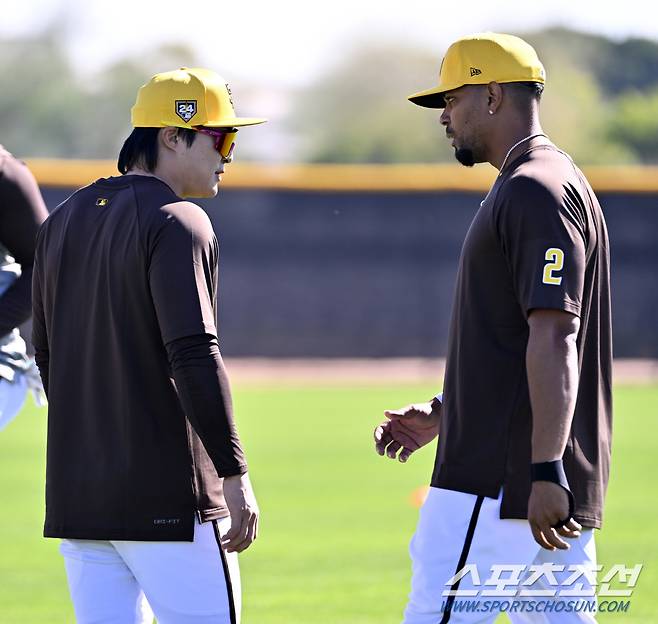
{"type": "Point", "coordinates": [585, 75]}
{"type": "Point", "coordinates": [634, 121]}
{"type": "Point", "coordinates": [359, 111]}
{"type": "Point", "coordinates": [617, 66]}
{"type": "Point", "coordinates": [40, 107]}
{"type": "Point", "coordinates": [576, 117]}
{"type": "Point", "coordinates": [51, 111]}
{"type": "Point", "coordinates": [600, 104]}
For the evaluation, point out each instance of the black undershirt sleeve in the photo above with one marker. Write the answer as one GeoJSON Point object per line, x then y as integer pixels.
{"type": "Point", "coordinates": [203, 389]}
{"type": "Point", "coordinates": [22, 211]}
{"type": "Point", "coordinates": [39, 333]}
{"type": "Point", "coordinates": [42, 358]}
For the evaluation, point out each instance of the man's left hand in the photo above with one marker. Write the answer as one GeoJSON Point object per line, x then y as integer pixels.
{"type": "Point", "coordinates": [549, 505]}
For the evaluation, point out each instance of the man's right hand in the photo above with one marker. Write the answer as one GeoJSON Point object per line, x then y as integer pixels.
{"type": "Point", "coordinates": [408, 429]}
{"type": "Point", "coordinates": [242, 506]}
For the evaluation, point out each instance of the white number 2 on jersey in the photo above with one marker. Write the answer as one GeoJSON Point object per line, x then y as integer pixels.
{"type": "Point", "coordinates": [555, 257]}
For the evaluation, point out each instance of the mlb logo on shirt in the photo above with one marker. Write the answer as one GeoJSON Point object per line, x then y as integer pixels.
{"type": "Point", "coordinates": [186, 109]}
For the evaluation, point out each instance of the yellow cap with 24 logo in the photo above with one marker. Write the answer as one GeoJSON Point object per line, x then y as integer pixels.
{"type": "Point", "coordinates": [186, 98]}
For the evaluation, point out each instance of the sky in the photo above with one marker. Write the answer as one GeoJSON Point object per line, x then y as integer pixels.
{"type": "Point", "coordinates": [288, 42]}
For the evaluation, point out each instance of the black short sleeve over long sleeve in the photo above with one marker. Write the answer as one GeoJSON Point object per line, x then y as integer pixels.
{"type": "Point", "coordinates": [141, 427]}
{"type": "Point", "coordinates": [182, 274]}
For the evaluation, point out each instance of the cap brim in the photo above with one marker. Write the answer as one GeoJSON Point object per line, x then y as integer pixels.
{"type": "Point", "coordinates": [430, 98]}
{"type": "Point", "coordinates": [235, 122]}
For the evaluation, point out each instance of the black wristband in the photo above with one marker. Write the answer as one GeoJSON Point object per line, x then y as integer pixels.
{"type": "Point", "coordinates": [553, 471]}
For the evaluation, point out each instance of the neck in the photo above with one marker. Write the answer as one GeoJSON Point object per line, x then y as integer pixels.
{"type": "Point", "coordinates": [503, 143]}
{"type": "Point", "coordinates": [160, 175]}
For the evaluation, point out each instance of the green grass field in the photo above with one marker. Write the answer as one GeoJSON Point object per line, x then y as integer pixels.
{"type": "Point", "coordinates": [336, 518]}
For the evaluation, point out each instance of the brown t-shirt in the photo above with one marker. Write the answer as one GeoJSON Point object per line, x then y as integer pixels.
{"type": "Point", "coordinates": [538, 241]}
{"type": "Point", "coordinates": [139, 426]}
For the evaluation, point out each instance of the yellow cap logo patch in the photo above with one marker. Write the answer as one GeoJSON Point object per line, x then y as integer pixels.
{"type": "Point", "coordinates": [186, 109]}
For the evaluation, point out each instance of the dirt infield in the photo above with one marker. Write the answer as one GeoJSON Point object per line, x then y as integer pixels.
{"type": "Point", "coordinates": [383, 371]}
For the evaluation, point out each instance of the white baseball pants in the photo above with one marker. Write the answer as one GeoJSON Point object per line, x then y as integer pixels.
{"type": "Point", "coordinates": [127, 582]}
{"type": "Point", "coordinates": [458, 531]}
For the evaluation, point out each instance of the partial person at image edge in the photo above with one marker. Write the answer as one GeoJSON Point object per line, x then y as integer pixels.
{"type": "Point", "coordinates": [22, 212]}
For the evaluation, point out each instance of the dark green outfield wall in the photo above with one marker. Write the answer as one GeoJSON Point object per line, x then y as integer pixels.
{"type": "Point", "coordinates": [371, 274]}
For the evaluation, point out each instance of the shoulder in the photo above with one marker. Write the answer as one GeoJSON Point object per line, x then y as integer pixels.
{"type": "Point", "coordinates": [62, 208]}
{"type": "Point", "coordinates": [184, 223]}
{"type": "Point", "coordinates": [536, 186]}
{"type": "Point", "coordinates": [8, 161]}
{"type": "Point", "coordinates": [528, 185]}
{"type": "Point", "coordinates": [160, 207]}
{"type": "Point", "coordinates": [523, 200]}
{"type": "Point", "coordinates": [15, 175]}
{"type": "Point", "coordinates": [61, 211]}
{"type": "Point", "coordinates": [187, 214]}
{"type": "Point", "coordinates": [543, 194]}
{"type": "Point", "coordinates": [543, 175]}
{"type": "Point", "coordinates": [157, 197]}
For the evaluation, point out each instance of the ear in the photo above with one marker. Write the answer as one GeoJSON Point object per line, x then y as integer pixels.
{"type": "Point", "coordinates": [494, 97]}
{"type": "Point", "coordinates": [169, 139]}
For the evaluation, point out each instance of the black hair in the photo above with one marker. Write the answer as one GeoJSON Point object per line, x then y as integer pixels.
{"type": "Point", "coordinates": [141, 148]}
{"type": "Point", "coordinates": [528, 89]}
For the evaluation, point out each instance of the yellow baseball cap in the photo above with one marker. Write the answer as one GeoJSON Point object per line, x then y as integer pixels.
{"type": "Point", "coordinates": [186, 98]}
{"type": "Point", "coordinates": [481, 59]}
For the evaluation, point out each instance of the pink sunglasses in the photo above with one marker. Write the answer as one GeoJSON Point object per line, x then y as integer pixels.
{"type": "Point", "coordinates": [224, 139]}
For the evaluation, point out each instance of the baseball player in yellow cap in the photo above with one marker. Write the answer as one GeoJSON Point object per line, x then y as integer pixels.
{"type": "Point", "coordinates": [146, 482]}
{"type": "Point", "coordinates": [524, 420]}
